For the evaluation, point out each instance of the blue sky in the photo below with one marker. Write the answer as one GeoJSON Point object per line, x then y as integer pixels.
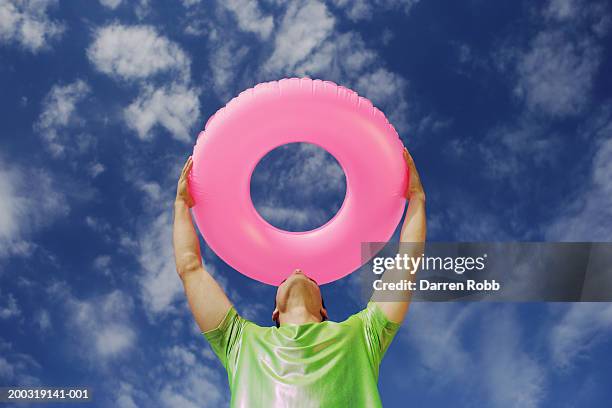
{"type": "Point", "coordinates": [506, 107]}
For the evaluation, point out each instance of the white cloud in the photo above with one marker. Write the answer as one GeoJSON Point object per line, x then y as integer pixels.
{"type": "Point", "coordinates": [125, 398]}
{"type": "Point", "coordinates": [10, 208]}
{"type": "Point", "coordinates": [345, 54]}
{"type": "Point", "coordinates": [188, 382]}
{"type": "Point", "coordinates": [385, 88]}
{"type": "Point", "coordinates": [43, 320]}
{"type": "Point", "coordinates": [250, 17]}
{"type": "Point", "coordinates": [586, 218]}
{"type": "Point", "coordinates": [509, 152]}
{"type": "Point", "coordinates": [454, 339]}
{"type": "Point", "coordinates": [142, 9]}
{"type": "Point", "coordinates": [8, 306]}
{"type": "Point", "coordinates": [113, 339]}
{"type": "Point", "coordinates": [26, 22]}
{"type": "Point", "coordinates": [292, 218]}
{"type": "Point", "coordinates": [96, 169]}
{"type": "Point", "coordinates": [152, 189]}
{"type": "Point", "coordinates": [592, 14]}
{"type": "Point", "coordinates": [104, 323]}
{"type": "Point", "coordinates": [59, 112]}
{"type": "Point", "coordinates": [554, 80]}
{"type": "Point", "coordinates": [303, 29]}
{"type": "Point", "coordinates": [561, 9]}
{"type": "Point", "coordinates": [511, 377]}
{"type": "Point", "coordinates": [136, 52]}
{"type": "Point", "coordinates": [310, 174]}
{"type": "Point", "coordinates": [307, 168]}
{"type": "Point", "coordinates": [139, 53]}
{"type": "Point", "coordinates": [111, 4]}
{"type": "Point", "coordinates": [102, 263]}
{"type": "Point", "coordinates": [602, 168]}
{"type": "Point", "coordinates": [224, 62]}
{"type": "Point", "coordinates": [581, 326]}
{"type": "Point", "coordinates": [358, 10]}
{"type": "Point", "coordinates": [189, 3]}
{"type": "Point", "coordinates": [160, 285]}
{"type": "Point", "coordinates": [6, 369]}
{"type": "Point", "coordinates": [438, 341]}
{"type": "Point", "coordinates": [176, 108]}
{"type": "Point", "coordinates": [23, 209]}
{"type": "Point", "coordinates": [457, 223]}
{"type": "Point", "coordinates": [556, 74]}
{"type": "Point", "coordinates": [99, 225]}
{"type": "Point", "coordinates": [16, 367]}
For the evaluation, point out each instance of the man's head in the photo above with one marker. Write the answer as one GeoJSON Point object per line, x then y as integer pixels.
{"type": "Point", "coordinates": [298, 295]}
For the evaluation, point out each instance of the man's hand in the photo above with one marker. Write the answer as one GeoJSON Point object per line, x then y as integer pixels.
{"type": "Point", "coordinates": [182, 190]}
{"type": "Point", "coordinates": [414, 189]}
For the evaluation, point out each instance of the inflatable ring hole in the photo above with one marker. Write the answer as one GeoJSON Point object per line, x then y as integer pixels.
{"type": "Point", "coordinates": [298, 187]}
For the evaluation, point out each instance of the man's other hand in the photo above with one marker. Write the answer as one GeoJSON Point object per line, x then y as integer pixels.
{"type": "Point", "coordinates": [414, 188]}
{"type": "Point", "coordinates": [182, 190]}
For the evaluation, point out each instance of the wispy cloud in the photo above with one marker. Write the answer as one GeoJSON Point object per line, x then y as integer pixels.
{"type": "Point", "coordinates": [17, 367]}
{"type": "Point", "coordinates": [111, 4]}
{"type": "Point", "coordinates": [139, 54]}
{"type": "Point", "coordinates": [512, 377]}
{"type": "Point", "coordinates": [557, 70]}
{"type": "Point", "coordinates": [176, 108]}
{"type": "Point", "coordinates": [8, 306]}
{"type": "Point", "coordinates": [59, 113]}
{"type": "Point", "coordinates": [125, 398]}
{"type": "Point", "coordinates": [27, 23]}
{"type": "Point", "coordinates": [586, 217]}
{"type": "Point", "coordinates": [136, 52]}
{"type": "Point", "coordinates": [226, 58]}
{"type": "Point", "coordinates": [43, 320]}
{"type": "Point", "coordinates": [102, 263]}
{"type": "Point", "coordinates": [556, 74]}
{"type": "Point", "coordinates": [291, 183]}
{"type": "Point", "coordinates": [160, 286]}
{"type": "Point", "coordinates": [508, 375]}
{"type": "Point", "coordinates": [551, 74]}
{"type": "Point", "coordinates": [188, 382]}
{"type": "Point", "coordinates": [250, 17]}
{"type": "Point", "coordinates": [358, 10]}
{"type": "Point", "coordinates": [103, 322]}
{"type": "Point", "coordinates": [304, 27]}
{"type": "Point", "coordinates": [439, 340]}
{"type": "Point", "coordinates": [23, 209]}
{"type": "Point", "coordinates": [580, 328]}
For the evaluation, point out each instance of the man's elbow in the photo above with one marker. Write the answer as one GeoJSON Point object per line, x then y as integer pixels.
{"type": "Point", "coordinates": [187, 264]}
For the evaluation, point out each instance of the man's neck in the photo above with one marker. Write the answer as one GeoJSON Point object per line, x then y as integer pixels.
{"type": "Point", "coordinates": [298, 315]}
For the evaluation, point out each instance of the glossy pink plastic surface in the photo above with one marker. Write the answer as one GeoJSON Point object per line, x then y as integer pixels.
{"type": "Point", "coordinates": [293, 110]}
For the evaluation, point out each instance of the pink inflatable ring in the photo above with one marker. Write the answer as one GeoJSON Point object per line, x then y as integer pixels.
{"type": "Point", "coordinates": [293, 110]}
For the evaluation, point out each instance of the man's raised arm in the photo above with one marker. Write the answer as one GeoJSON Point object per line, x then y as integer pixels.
{"type": "Point", "coordinates": [413, 236]}
{"type": "Point", "coordinates": [207, 301]}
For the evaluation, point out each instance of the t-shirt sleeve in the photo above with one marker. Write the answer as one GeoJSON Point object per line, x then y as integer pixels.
{"type": "Point", "coordinates": [378, 329]}
{"type": "Point", "coordinates": [226, 338]}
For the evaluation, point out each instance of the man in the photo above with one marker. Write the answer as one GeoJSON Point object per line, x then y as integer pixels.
{"type": "Point", "coordinates": [306, 360]}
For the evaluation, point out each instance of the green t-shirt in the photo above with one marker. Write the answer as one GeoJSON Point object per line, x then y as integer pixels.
{"type": "Point", "coordinates": [328, 364]}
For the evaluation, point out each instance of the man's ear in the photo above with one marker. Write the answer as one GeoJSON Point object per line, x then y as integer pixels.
{"type": "Point", "coordinates": [324, 314]}
{"type": "Point", "coordinates": [275, 314]}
